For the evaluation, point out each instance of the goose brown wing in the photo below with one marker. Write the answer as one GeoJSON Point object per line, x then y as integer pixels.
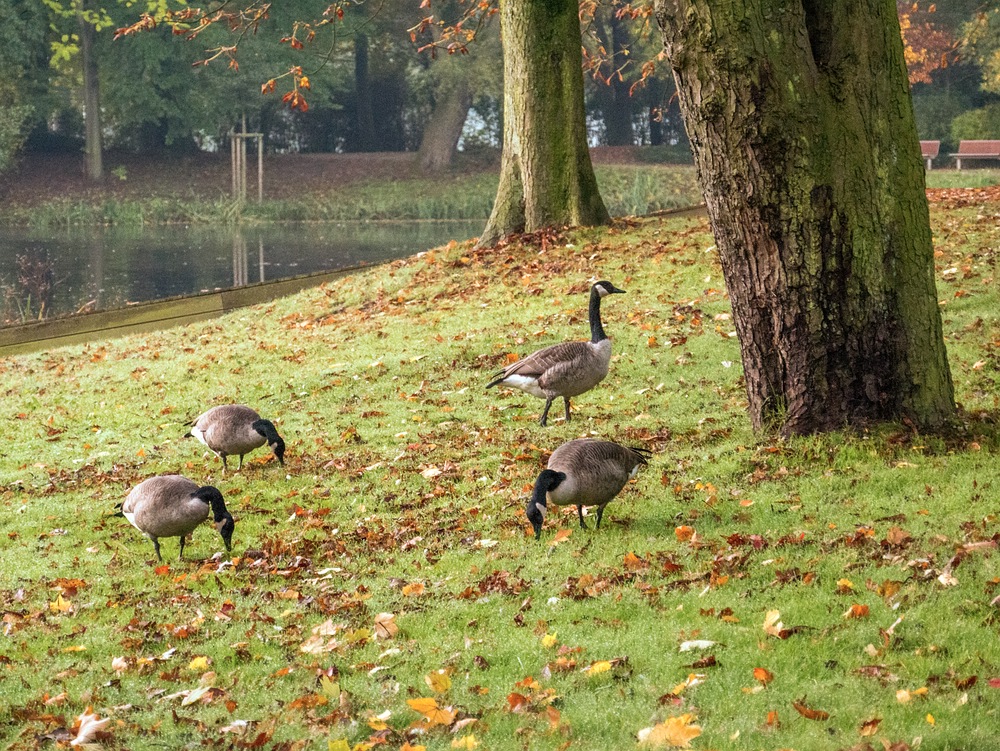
{"type": "Point", "coordinates": [535, 364]}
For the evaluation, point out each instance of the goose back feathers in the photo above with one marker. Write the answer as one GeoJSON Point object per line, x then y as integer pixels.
{"type": "Point", "coordinates": [566, 369]}
{"type": "Point", "coordinates": [585, 472]}
{"type": "Point", "coordinates": [235, 430]}
{"type": "Point", "coordinates": [173, 506]}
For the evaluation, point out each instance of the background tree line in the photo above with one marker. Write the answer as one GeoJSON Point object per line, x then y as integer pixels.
{"type": "Point", "coordinates": [370, 88]}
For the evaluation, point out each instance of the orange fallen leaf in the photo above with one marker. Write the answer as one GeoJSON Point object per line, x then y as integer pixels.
{"type": "Point", "coordinates": [684, 533]}
{"type": "Point", "coordinates": [561, 536]}
{"type": "Point", "coordinates": [674, 732]}
{"type": "Point", "coordinates": [413, 590]}
{"type": "Point", "coordinates": [809, 713]}
{"type": "Point", "coordinates": [856, 611]}
{"type": "Point", "coordinates": [772, 720]}
{"type": "Point", "coordinates": [434, 714]}
{"type": "Point", "coordinates": [763, 675]}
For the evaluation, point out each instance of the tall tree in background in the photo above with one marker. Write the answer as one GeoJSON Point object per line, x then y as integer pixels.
{"type": "Point", "coordinates": [546, 177]}
{"type": "Point", "coordinates": [94, 144]}
{"type": "Point", "coordinates": [800, 121]}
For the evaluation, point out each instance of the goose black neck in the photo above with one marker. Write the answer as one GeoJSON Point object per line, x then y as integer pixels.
{"type": "Point", "coordinates": [547, 480]}
{"type": "Point", "coordinates": [596, 329]}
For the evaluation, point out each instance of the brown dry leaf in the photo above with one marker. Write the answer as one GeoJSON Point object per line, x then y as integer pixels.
{"type": "Point", "coordinates": [808, 712]}
{"type": "Point", "coordinates": [772, 721]}
{"type": "Point", "coordinates": [385, 626]}
{"type": "Point", "coordinates": [674, 732]}
{"type": "Point", "coordinates": [763, 675]}
{"type": "Point", "coordinates": [870, 727]}
{"type": "Point", "coordinates": [683, 533]}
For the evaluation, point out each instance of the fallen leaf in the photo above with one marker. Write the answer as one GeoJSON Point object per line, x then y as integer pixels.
{"type": "Point", "coordinates": [385, 626]}
{"type": "Point", "coordinates": [434, 714]}
{"type": "Point", "coordinates": [90, 726]}
{"type": "Point", "coordinates": [413, 590]}
{"type": "Point", "coordinates": [439, 681]}
{"type": "Point", "coordinates": [683, 533]}
{"type": "Point", "coordinates": [674, 732]}
{"type": "Point", "coordinates": [466, 741]}
{"type": "Point", "coordinates": [808, 712]}
{"type": "Point", "coordinates": [687, 646]}
{"type": "Point", "coordinates": [763, 675]}
{"type": "Point", "coordinates": [870, 727]}
{"type": "Point", "coordinates": [856, 611]}
{"type": "Point", "coordinates": [772, 623]}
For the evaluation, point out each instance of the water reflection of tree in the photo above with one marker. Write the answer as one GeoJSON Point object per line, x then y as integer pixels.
{"type": "Point", "coordinates": [241, 259]}
{"type": "Point", "coordinates": [29, 297]}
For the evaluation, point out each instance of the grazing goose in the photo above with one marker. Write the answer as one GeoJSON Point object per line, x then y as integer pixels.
{"type": "Point", "coordinates": [586, 472]}
{"type": "Point", "coordinates": [172, 506]}
{"type": "Point", "coordinates": [236, 429]}
{"type": "Point", "coordinates": [565, 369]}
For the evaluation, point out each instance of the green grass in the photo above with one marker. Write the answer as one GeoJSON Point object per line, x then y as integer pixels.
{"type": "Point", "coordinates": [627, 191]}
{"type": "Point", "coordinates": [967, 178]}
{"type": "Point", "coordinates": [404, 493]}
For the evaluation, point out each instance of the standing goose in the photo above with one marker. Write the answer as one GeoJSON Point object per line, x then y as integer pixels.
{"type": "Point", "coordinates": [586, 472]}
{"type": "Point", "coordinates": [173, 506]}
{"type": "Point", "coordinates": [565, 369]}
{"type": "Point", "coordinates": [236, 429]}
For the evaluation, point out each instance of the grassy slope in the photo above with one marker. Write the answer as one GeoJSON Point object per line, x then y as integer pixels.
{"type": "Point", "coordinates": [404, 494]}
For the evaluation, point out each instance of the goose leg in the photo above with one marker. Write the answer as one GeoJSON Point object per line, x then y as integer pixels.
{"type": "Point", "coordinates": [579, 510]}
{"type": "Point", "coordinates": [566, 399]}
{"type": "Point", "coordinates": [600, 513]}
{"type": "Point", "coordinates": [239, 468]}
{"type": "Point", "coordinates": [156, 547]}
{"type": "Point", "coordinates": [181, 556]}
{"type": "Point", "coordinates": [545, 412]}
{"type": "Point", "coordinates": [224, 465]}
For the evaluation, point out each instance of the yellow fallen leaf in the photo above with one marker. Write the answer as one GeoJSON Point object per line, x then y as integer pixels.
{"type": "Point", "coordinates": [601, 666]}
{"type": "Point", "coordinates": [466, 741]}
{"type": "Point", "coordinates": [549, 640]}
{"type": "Point", "coordinates": [674, 732]}
{"type": "Point", "coordinates": [199, 663]}
{"type": "Point", "coordinates": [340, 744]}
{"type": "Point", "coordinates": [439, 681]}
{"type": "Point", "coordinates": [930, 718]}
{"type": "Point", "coordinates": [428, 707]}
{"type": "Point", "coordinates": [61, 605]}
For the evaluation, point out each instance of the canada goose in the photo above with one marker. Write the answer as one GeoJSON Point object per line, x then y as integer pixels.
{"type": "Point", "coordinates": [586, 472]}
{"type": "Point", "coordinates": [236, 429]}
{"type": "Point", "coordinates": [172, 506]}
{"type": "Point", "coordinates": [565, 369]}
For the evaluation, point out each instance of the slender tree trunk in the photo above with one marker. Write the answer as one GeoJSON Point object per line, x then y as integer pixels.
{"type": "Point", "coordinates": [364, 121]}
{"type": "Point", "coordinates": [93, 147]}
{"type": "Point", "coordinates": [437, 147]}
{"type": "Point", "coordinates": [615, 101]}
{"type": "Point", "coordinates": [546, 177]}
{"type": "Point", "coordinates": [802, 129]}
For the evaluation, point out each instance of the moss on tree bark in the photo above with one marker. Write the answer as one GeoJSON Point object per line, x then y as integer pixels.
{"type": "Point", "coordinates": [546, 177]}
{"type": "Point", "coordinates": [801, 124]}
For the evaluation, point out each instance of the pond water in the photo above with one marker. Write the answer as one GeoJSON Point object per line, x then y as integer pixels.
{"type": "Point", "coordinates": [100, 268]}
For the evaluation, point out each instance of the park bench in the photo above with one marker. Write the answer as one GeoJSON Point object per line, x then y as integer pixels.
{"type": "Point", "coordinates": [929, 151]}
{"type": "Point", "coordinates": [976, 150]}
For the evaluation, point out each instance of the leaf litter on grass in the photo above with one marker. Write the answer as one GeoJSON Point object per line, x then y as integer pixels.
{"type": "Point", "coordinates": [391, 563]}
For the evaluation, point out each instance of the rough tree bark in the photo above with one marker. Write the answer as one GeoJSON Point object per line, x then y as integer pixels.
{"type": "Point", "coordinates": [93, 143]}
{"type": "Point", "coordinates": [437, 147]}
{"type": "Point", "coordinates": [801, 124]}
{"type": "Point", "coordinates": [546, 177]}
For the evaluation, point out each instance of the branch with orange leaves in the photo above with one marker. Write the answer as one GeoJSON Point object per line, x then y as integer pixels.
{"type": "Point", "coordinates": [245, 19]}
{"type": "Point", "coordinates": [453, 36]}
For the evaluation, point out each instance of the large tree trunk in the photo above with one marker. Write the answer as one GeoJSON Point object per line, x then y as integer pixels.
{"type": "Point", "coordinates": [546, 178]}
{"type": "Point", "coordinates": [437, 147]}
{"type": "Point", "coordinates": [802, 129]}
{"type": "Point", "coordinates": [93, 145]}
